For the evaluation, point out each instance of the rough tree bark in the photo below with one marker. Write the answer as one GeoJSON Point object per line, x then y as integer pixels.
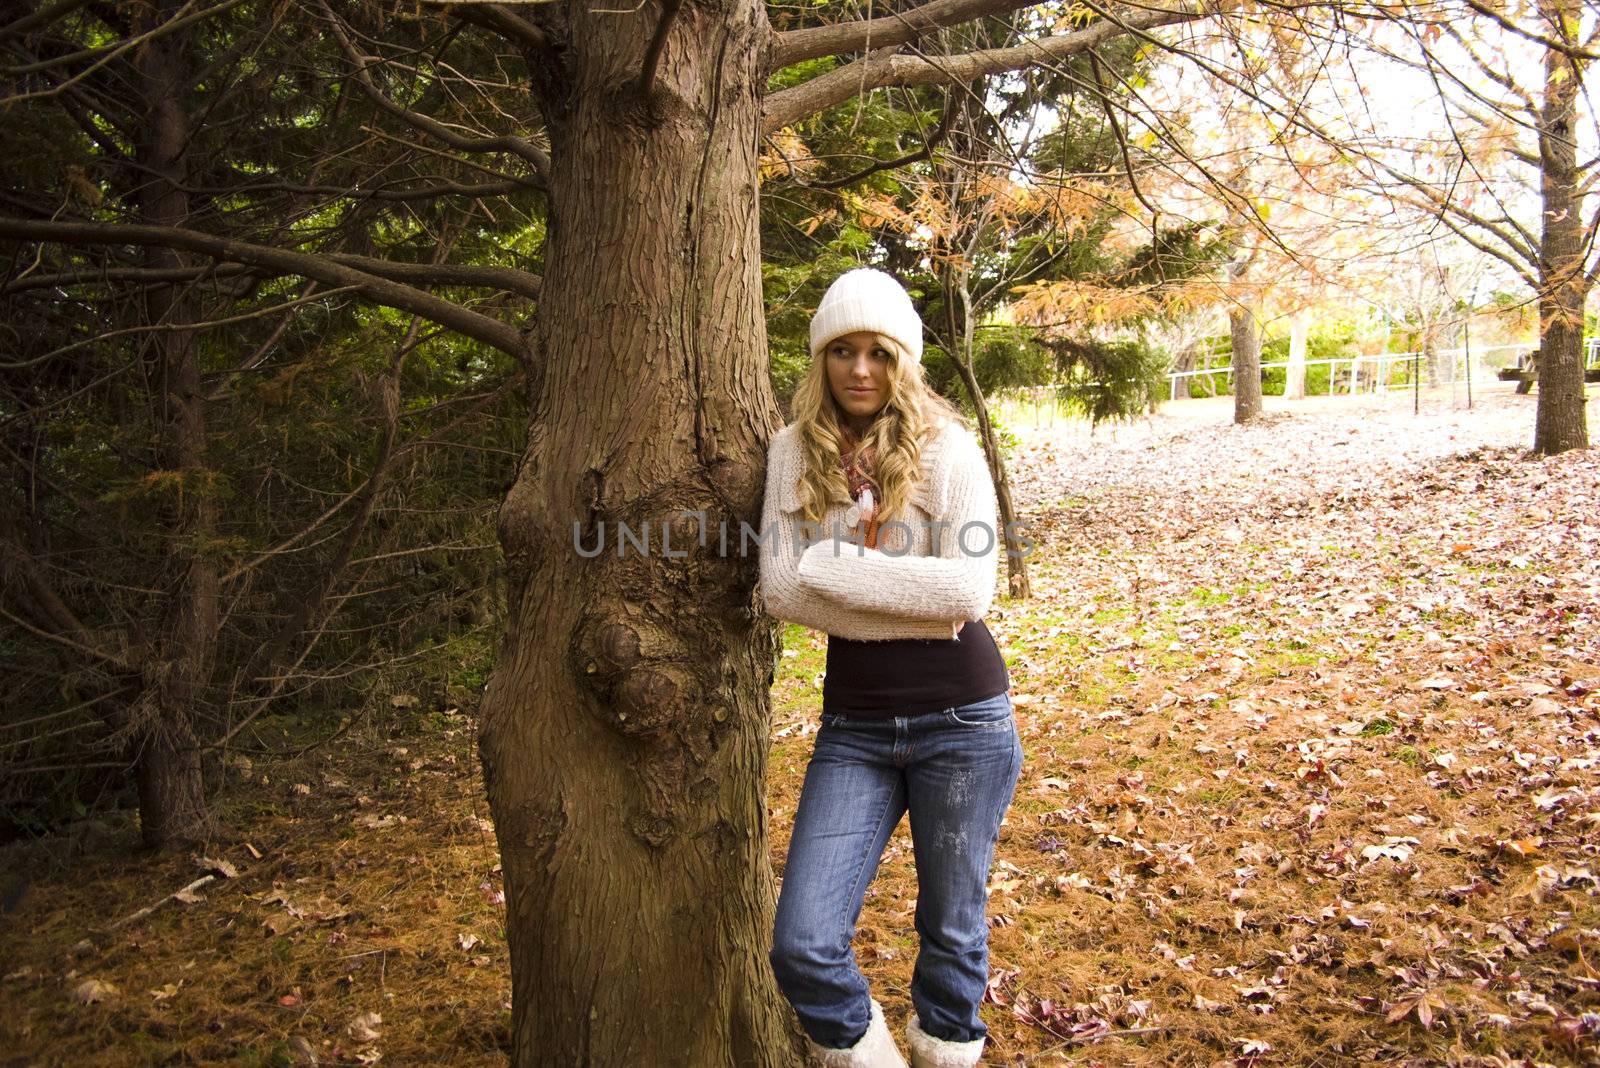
{"type": "Point", "coordinates": [163, 740]}
{"type": "Point", "coordinates": [1561, 423]}
{"type": "Point", "coordinates": [625, 731]}
{"type": "Point", "coordinates": [1242, 320]}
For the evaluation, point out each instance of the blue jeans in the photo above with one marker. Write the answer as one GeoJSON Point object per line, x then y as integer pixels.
{"type": "Point", "coordinates": [956, 771]}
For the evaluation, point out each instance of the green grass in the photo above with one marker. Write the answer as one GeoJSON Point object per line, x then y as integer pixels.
{"type": "Point", "coordinates": [791, 683]}
{"type": "Point", "coordinates": [1097, 687]}
{"type": "Point", "coordinates": [1111, 615]}
{"type": "Point", "coordinates": [1206, 597]}
{"type": "Point", "coordinates": [1160, 659]}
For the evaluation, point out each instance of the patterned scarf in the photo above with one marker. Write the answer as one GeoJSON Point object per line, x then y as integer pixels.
{"type": "Point", "coordinates": [860, 474]}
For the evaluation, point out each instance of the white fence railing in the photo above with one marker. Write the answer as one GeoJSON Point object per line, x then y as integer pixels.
{"type": "Point", "coordinates": [1375, 369]}
{"type": "Point", "coordinates": [1380, 366]}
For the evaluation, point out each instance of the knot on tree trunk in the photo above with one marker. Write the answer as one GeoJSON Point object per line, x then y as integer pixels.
{"type": "Point", "coordinates": [646, 108]}
{"type": "Point", "coordinates": [637, 673]}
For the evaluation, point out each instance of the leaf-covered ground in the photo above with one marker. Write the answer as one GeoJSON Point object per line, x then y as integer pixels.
{"type": "Point", "coordinates": [1311, 734]}
{"type": "Point", "coordinates": [354, 916]}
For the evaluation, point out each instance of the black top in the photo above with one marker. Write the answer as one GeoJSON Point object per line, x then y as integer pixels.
{"type": "Point", "coordinates": [910, 676]}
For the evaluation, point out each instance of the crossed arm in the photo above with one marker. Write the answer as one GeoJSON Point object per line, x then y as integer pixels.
{"type": "Point", "coordinates": [856, 592]}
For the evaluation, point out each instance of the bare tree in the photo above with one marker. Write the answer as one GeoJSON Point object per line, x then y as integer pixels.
{"type": "Point", "coordinates": [1509, 107]}
{"type": "Point", "coordinates": [1504, 132]}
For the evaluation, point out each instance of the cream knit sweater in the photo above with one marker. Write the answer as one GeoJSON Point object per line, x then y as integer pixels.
{"type": "Point", "coordinates": [904, 589]}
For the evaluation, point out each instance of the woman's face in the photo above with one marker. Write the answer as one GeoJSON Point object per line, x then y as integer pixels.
{"type": "Point", "coordinates": [858, 376]}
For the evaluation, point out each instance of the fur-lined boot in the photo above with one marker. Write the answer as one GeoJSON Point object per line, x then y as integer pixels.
{"type": "Point", "coordinates": [930, 1052]}
{"type": "Point", "coordinates": [875, 1049]}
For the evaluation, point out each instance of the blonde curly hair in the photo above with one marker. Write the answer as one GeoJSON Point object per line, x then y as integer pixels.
{"type": "Point", "coordinates": [912, 416]}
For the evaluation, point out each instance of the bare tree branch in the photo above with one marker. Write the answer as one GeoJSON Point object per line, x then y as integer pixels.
{"type": "Point", "coordinates": [531, 154]}
{"type": "Point", "coordinates": [97, 276]}
{"type": "Point", "coordinates": [796, 46]}
{"type": "Point", "coordinates": [882, 67]}
{"type": "Point", "coordinates": [445, 274]}
{"type": "Point", "coordinates": [43, 16]}
{"type": "Point", "coordinates": [500, 19]}
{"type": "Point", "coordinates": [111, 51]}
{"type": "Point", "coordinates": [444, 187]}
{"type": "Point", "coordinates": [1554, 44]}
{"type": "Point", "coordinates": [652, 53]}
{"type": "Point", "coordinates": [21, 571]}
{"type": "Point", "coordinates": [1471, 230]}
{"type": "Point", "coordinates": [326, 269]}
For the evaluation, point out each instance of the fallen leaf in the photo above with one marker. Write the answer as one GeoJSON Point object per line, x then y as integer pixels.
{"type": "Point", "coordinates": [92, 990]}
{"type": "Point", "coordinates": [1522, 847]}
{"type": "Point", "coordinates": [221, 867]}
{"type": "Point", "coordinates": [302, 1050]}
{"type": "Point", "coordinates": [364, 1028]}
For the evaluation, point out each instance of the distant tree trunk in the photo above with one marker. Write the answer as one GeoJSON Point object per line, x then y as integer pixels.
{"type": "Point", "coordinates": [179, 660]}
{"type": "Point", "coordinates": [1242, 322]}
{"type": "Point", "coordinates": [1561, 423]}
{"type": "Point", "coordinates": [958, 307]}
{"type": "Point", "coordinates": [1294, 383]}
{"type": "Point", "coordinates": [1186, 359]}
{"type": "Point", "coordinates": [1246, 365]}
{"type": "Point", "coordinates": [626, 727]}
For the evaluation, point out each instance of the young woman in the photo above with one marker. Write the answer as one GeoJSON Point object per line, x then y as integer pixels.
{"type": "Point", "coordinates": [916, 713]}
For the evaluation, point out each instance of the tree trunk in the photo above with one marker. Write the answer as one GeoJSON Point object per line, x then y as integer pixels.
{"type": "Point", "coordinates": [1246, 361]}
{"type": "Point", "coordinates": [1188, 356]}
{"type": "Point", "coordinates": [1017, 583]}
{"type": "Point", "coordinates": [172, 805]}
{"type": "Point", "coordinates": [1561, 423]}
{"type": "Point", "coordinates": [172, 809]}
{"type": "Point", "coordinates": [626, 728]}
{"type": "Point", "coordinates": [1294, 382]}
{"type": "Point", "coordinates": [958, 306]}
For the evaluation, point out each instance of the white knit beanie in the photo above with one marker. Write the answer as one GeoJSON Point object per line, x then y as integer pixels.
{"type": "Point", "coordinates": [865, 298]}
